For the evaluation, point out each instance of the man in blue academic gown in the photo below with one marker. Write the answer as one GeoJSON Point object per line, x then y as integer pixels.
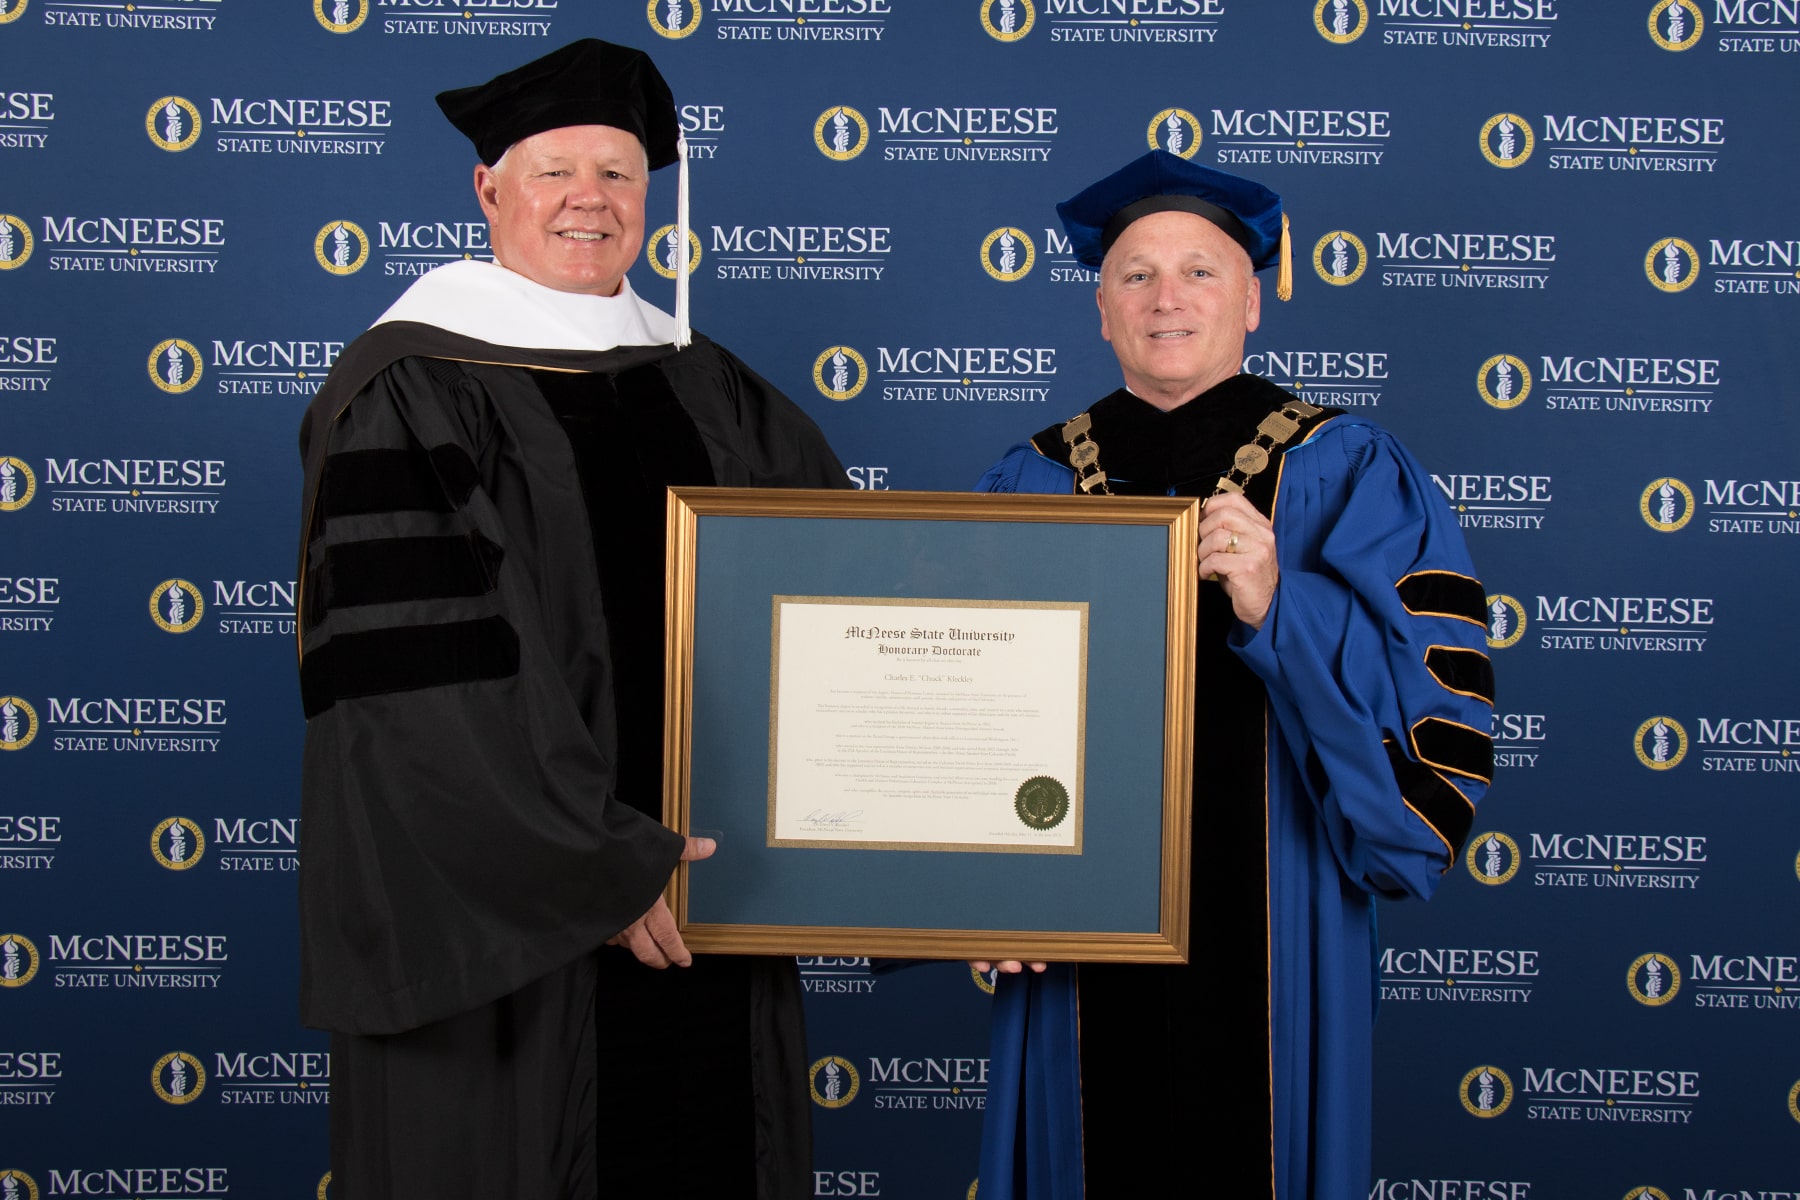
{"type": "Point", "coordinates": [1340, 748]}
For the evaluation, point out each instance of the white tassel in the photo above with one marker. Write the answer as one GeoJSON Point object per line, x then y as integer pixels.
{"type": "Point", "coordinates": [684, 331]}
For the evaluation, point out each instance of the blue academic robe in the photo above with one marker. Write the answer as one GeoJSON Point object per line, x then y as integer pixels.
{"type": "Point", "coordinates": [1378, 701]}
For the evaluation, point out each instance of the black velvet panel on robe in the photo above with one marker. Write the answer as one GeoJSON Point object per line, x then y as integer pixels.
{"type": "Point", "coordinates": [1179, 1054]}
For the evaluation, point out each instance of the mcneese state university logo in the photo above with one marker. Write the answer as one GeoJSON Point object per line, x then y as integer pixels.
{"type": "Point", "coordinates": [177, 844]}
{"type": "Point", "coordinates": [1347, 137]}
{"type": "Point", "coordinates": [25, 117]}
{"type": "Point", "coordinates": [1753, 26]}
{"type": "Point", "coordinates": [179, 245]}
{"type": "Point", "coordinates": [663, 250]}
{"type": "Point", "coordinates": [272, 366]}
{"type": "Point", "coordinates": [439, 18]}
{"type": "Point", "coordinates": [815, 21]}
{"type": "Point", "coordinates": [174, 366]}
{"type": "Point", "coordinates": [1465, 975]}
{"type": "Point", "coordinates": [1505, 621]}
{"type": "Point", "coordinates": [1653, 979]}
{"type": "Point", "coordinates": [1177, 131]}
{"type": "Point", "coordinates": [136, 725]}
{"type": "Point", "coordinates": [1636, 624]}
{"type": "Point", "coordinates": [29, 842]}
{"type": "Point", "coordinates": [1653, 145]}
{"type": "Point", "coordinates": [1751, 266]}
{"type": "Point", "coordinates": [18, 723]}
{"type": "Point", "coordinates": [139, 961]}
{"type": "Point", "coordinates": [18, 484]}
{"type": "Point", "coordinates": [834, 1082]}
{"type": "Point", "coordinates": [1519, 738]}
{"type": "Point", "coordinates": [1460, 24]}
{"type": "Point", "coordinates": [1623, 384]}
{"type": "Point", "coordinates": [1624, 861]}
{"type": "Point", "coordinates": [1507, 140]}
{"type": "Point", "coordinates": [1672, 265]}
{"type": "Point", "coordinates": [1493, 501]}
{"type": "Point", "coordinates": [1660, 743]}
{"type": "Point", "coordinates": [341, 247]}
{"type": "Point", "coordinates": [1341, 378]}
{"type": "Point", "coordinates": [75, 14]}
{"type": "Point", "coordinates": [1768, 745]}
{"type": "Point", "coordinates": [935, 133]}
{"type": "Point", "coordinates": [27, 363]}
{"type": "Point", "coordinates": [1093, 22]}
{"type": "Point", "coordinates": [1007, 254]}
{"type": "Point", "coordinates": [18, 960]}
{"type": "Point", "coordinates": [173, 124]}
{"type": "Point", "coordinates": [15, 242]}
{"type": "Point", "coordinates": [940, 374]}
{"type": "Point", "coordinates": [176, 606]}
{"type": "Point", "coordinates": [14, 1184]}
{"type": "Point", "coordinates": [1486, 1091]}
{"type": "Point", "coordinates": [1417, 1186]}
{"type": "Point", "coordinates": [204, 1183]}
{"type": "Point", "coordinates": [1677, 24]}
{"type": "Point", "coordinates": [142, 486]}
{"type": "Point", "coordinates": [406, 248]}
{"type": "Point", "coordinates": [178, 1078]}
{"type": "Point", "coordinates": [836, 976]}
{"type": "Point", "coordinates": [782, 253]}
{"type": "Point", "coordinates": [300, 125]}
{"type": "Point", "coordinates": [1618, 1095]}
{"type": "Point", "coordinates": [1455, 260]}
{"type": "Point", "coordinates": [28, 603]}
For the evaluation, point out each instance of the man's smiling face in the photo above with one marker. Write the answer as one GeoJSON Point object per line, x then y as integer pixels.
{"type": "Point", "coordinates": [1177, 297]}
{"type": "Point", "coordinates": [565, 207]}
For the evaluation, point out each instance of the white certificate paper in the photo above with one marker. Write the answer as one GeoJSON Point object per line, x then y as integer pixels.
{"type": "Point", "coordinates": [927, 724]}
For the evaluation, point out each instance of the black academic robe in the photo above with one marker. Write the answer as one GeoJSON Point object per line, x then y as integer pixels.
{"type": "Point", "coordinates": [481, 667]}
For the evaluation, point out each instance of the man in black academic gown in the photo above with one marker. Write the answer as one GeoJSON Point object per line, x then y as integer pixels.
{"type": "Point", "coordinates": [482, 567]}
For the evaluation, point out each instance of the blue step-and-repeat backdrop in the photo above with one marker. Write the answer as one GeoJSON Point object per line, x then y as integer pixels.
{"type": "Point", "coordinates": [1553, 243]}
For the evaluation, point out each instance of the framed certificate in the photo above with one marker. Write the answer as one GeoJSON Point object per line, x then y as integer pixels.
{"type": "Point", "coordinates": [935, 725]}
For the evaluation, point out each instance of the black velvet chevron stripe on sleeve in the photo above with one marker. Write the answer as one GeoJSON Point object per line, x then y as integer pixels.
{"type": "Point", "coordinates": [1468, 672]}
{"type": "Point", "coordinates": [1454, 748]}
{"type": "Point", "coordinates": [1444, 808]}
{"type": "Point", "coordinates": [391, 570]}
{"type": "Point", "coordinates": [407, 658]}
{"type": "Point", "coordinates": [413, 479]}
{"type": "Point", "coordinates": [1443, 594]}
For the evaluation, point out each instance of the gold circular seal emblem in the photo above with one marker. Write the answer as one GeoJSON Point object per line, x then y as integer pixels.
{"type": "Point", "coordinates": [1794, 1100]}
{"type": "Point", "coordinates": [1176, 130]}
{"type": "Point", "coordinates": [18, 723]}
{"type": "Point", "coordinates": [342, 260]}
{"type": "Point", "coordinates": [189, 857]}
{"type": "Point", "coordinates": [1510, 125]}
{"type": "Point", "coordinates": [841, 1082]}
{"type": "Point", "coordinates": [1011, 240]}
{"type": "Point", "coordinates": [12, 14]}
{"type": "Point", "coordinates": [658, 247]}
{"type": "Point", "coordinates": [324, 1189]}
{"type": "Point", "coordinates": [983, 981]}
{"type": "Point", "coordinates": [1340, 242]}
{"type": "Point", "coordinates": [1668, 743]}
{"type": "Point", "coordinates": [1686, 24]}
{"type": "Point", "coordinates": [166, 128]}
{"type": "Point", "coordinates": [18, 962]}
{"type": "Point", "coordinates": [1041, 802]}
{"type": "Point", "coordinates": [1491, 1095]}
{"type": "Point", "coordinates": [973, 1184]}
{"type": "Point", "coordinates": [840, 387]}
{"type": "Point", "coordinates": [17, 484]}
{"type": "Point", "coordinates": [1338, 30]}
{"type": "Point", "coordinates": [339, 19]}
{"type": "Point", "coordinates": [1493, 858]}
{"type": "Point", "coordinates": [193, 600]}
{"type": "Point", "coordinates": [26, 1187]}
{"type": "Point", "coordinates": [684, 24]}
{"type": "Point", "coordinates": [189, 1091]}
{"type": "Point", "coordinates": [15, 242]}
{"type": "Point", "coordinates": [839, 146]}
{"type": "Point", "coordinates": [1016, 20]}
{"type": "Point", "coordinates": [1646, 1193]}
{"type": "Point", "coordinates": [175, 366]}
{"type": "Point", "coordinates": [1664, 992]}
{"type": "Point", "coordinates": [1511, 385]}
{"type": "Point", "coordinates": [1506, 621]}
{"type": "Point", "coordinates": [1665, 270]}
{"type": "Point", "coordinates": [1658, 505]}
